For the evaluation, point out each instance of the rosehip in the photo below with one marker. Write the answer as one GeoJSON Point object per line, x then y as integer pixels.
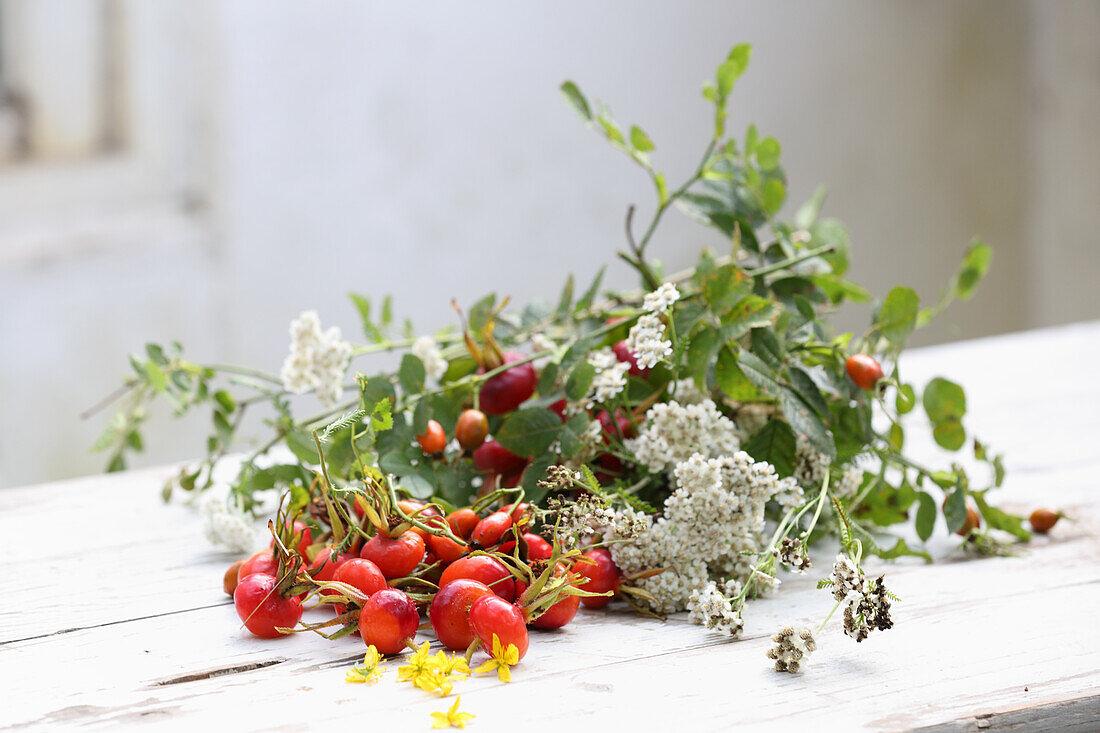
{"type": "Point", "coordinates": [863, 370]}
{"type": "Point", "coordinates": [387, 620]}
{"type": "Point", "coordinates": [471, 429]}
{"type": "Point", "coordinates": [489, 530]}
{"type": "Point", "coordinates": [450, 612]}
{"type": "Point", "coordinates": [396, 557]}
{"type": "Point", "coordinates": [537, 547]}
{"type": "Point", "coordinates": [973, 521]}
{"type": "Point", "coordinates": [446, 549]}
{"type": "Point", "coordinates": [484, 569]}
{"type": "Point", "coordinates": [263, 561]}
{"type": "Point", "coordinates": [509, 389]}
{"type": "Point", "coordinates": [433, 440]}
{"type": "Point", "coordinates": [1043, 520]}
{"type": "Point", "coordinates": [463, 521]}
{"type": "Point", "coordinates": [603, 575]}
{"type": "Point", "coordinates": [559, 614]}
{"type": "Point", "coordinates": [492, 615]}
{"type": "Point", "coordinates": [325, 564]}
{"type": "Point", "coordinates": [495, 458]}
{"type": "Point", "coordinates": [262, 608]}
{"type": "Point", "coordinates": [229, 582]}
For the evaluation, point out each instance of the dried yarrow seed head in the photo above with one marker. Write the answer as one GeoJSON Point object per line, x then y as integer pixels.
{"type": "Point", "coordinates": [578, 518]}
{"type": "Point", "coordinates": [868, 612]}
{"type": "Point", "coordinates": [792, 554]}
{"type": "Point", "coordinates": [792, 649]}
{"type": "Point", "coordinates": [560, 479]}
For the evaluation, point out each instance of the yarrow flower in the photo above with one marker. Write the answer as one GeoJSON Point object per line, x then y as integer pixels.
{"type": "Point", "coordinates": [712, 608]}
{"type": "Point", "coordinates": [711, 527]}
{"type": "Point", "coordinates": [610, 377]}
{"type": "Point", "coordinates": [501, 660]}
{"type": "Point", "coordinates": [426, 349]}
{"type": "Point", "coordinates": [791, 553]}
{"type": "Point", "coordinates": [673, 432]}
{"type": "Point", "coordinates": [318, 359]}
{"type": "Point", "coordinates": [452, 718]}
{"type": "Point", "coordinates": [661, 299]}
{"type": "Point", "coordinates": [646, 340]}
{"type": "Point", "coordinates": [868, 608]}
{"type": "Point", "coordinates": [225, 524]}
{"type": "Point", "coordinates": [372, 669]}
{"type": "Point", "coordinates": [792, 649]}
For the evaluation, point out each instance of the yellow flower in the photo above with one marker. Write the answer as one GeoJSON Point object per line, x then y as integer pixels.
{"type": "Point", "coordinates": [501, 660]}
{"type": "Point", "coordinates": [371, 670]}
{"type": "Point", "coordinates": [452, 665]}
{"type": "Point", "coordinates": [452, 718]}
{"type": "Point", "coordinates": [435, 681]}
{"type": "Point", "coordinates": [419, 663]}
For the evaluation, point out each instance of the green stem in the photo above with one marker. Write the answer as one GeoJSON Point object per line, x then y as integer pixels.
{"type": "Point", "coordinates": [801, 257]}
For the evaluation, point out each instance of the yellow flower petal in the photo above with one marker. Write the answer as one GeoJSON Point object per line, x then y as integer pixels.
{"type": "Point", "coordinates": [488, 666]}
{"type": "Point", "coordinates": [440, 720]}
{"type": "Point", "coordinates": [504, 674]}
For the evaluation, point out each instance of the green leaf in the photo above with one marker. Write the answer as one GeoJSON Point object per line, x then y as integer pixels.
{"type": "Point", "coordinates": [381, 417]}
{"type": "Point", "coordinates": [573, 95]}
{"type": "Point", "coordinates": [156, 353]}
{"type": "Point", "coordinates": [773, 194]}
{"type": "Point", "coordinates": [639, 140]}
{"type": "Point", "coordinates": [535, 472]}
{"type": "Point", "coordinates": [807, 389]}
{"type": "Point", "coordinates": [944, 400]}
{"type": "Point", "coordinates": [300, 442]}
{"type": "Point", "coordinates": [759, 373]}
{"type": "Point", "coordinates": [590, 294]}
{"type": "Point", "coordinates": [732, 380]}
{"type": "Point", "coordinates": [949, 434]}
{"type": "Point", "coordinates": [156, 376]}
{"type": "Point", "coordinates": [974, 267]}
{"type": "Point", "coordinates": [901, 549]}
{"type": "Point", "coordinates": [998, 519]}
{"type": "Point", "coordinates": [571, 443]}
{"type": "Point", "coordinates": [767, 153]}
{"type": "Point", "coordinates": [732, 68]}
{"type": "Point", "coordinates": [529, 431]}
{"type": "Point", "coordinates": [723, 286]}
{"type": "Point", "coordinates": [223, 398]}
{"type": "Point", "coordinates": [700, 353]}
{"type": "Point", "coordinates": [548, 378]}
{"type": "Point", "coordinates": [926, 515]}
{"type": "Point", "coordinates": [411, 374]}
{"type": "Point", "coordinates": [752, 311]}
{"type": "Point", "coordinates": [896, 437]}
{"type": "Point", "coordinates": [954, 510]}
{"type": "Point", "coordinates": [481, 310]}
{"type": "Point", "coordinates": [565, 302]}
{"type": "Point", "coordinates": [807, 214]}
{"type": "Point", "coordinates": [362, 304]}
{"type": "Point", "coordinates": [774, 443]}
{"type": "Point", "coordinates": [898, 316]}
{"type": "Point", "coordinates": [906, 399]}
{"type": "Point", "coordinates": [804, 421]}
{"type": "Point", "coordinates": [580, 380]}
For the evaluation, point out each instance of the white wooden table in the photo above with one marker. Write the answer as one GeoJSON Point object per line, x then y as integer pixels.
{"type": "Point", "coordinates": [113, 611]}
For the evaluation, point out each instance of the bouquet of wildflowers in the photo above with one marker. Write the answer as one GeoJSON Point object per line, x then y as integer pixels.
{"type": "Point", "coordinates": [674, 446]}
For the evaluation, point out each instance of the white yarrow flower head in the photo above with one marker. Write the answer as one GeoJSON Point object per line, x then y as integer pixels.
{"type": "Point", "coordinates": [647, 341]}
{"type": "Point", "coordinates": [711, 607]}
{"type": "Point", "coordinates": [426, 349]}
{"type": "Point", "coordinates": [225, 525]}
{"type": "Point", "coordinates": [610, 377]}
{"type": "Point", "coordinates": [318, 360]}
{"type": "Point", "coordinates": [661, 299]}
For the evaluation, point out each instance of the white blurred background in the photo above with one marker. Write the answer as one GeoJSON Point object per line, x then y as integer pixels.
{"type": "Point", "coordinates": [204, 171]}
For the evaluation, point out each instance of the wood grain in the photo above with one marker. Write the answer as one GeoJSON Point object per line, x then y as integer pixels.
{"type": "Point", "coordinates": [133, 628]}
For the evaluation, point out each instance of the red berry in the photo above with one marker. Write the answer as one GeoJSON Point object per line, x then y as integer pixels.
{"type": "Point", "coordinates": [495, 458]}
{"type": "Point", "coordinates": [624, 354]}
{"type": "Point", "coordinates": [492, 615]}
{"type": "Point", "coordinates": [325, 564]}
{"type": "Point", "coordinates": [616, 429]}
{"type": "Point", "coordinates": [387, 620]}
{"type": "Point", "coordinates": [559, 614]}
{"type": "Point", "coordinates": [463, 521]}
{"type": "Point", "coordinates": [471, 429]}
{"type": "Point", "coordinates": [537, 547]}
{"type": "Point", "coordinates": [450, 611]}
{"type": "Point", "coordinates": [361, 574]}
{"type": "Point", "coordinates": [263, 561]}
{"type": "Point", "coordinates": [1043, 520]}
{"type": "Point", "coordinates": [396, 557]}
{"type": "Point", "coordinates": [489, 530]}
{"type": "Point", "coordinates": [262, 608]}
{"type": "Point", "coordinates": [509, 389]}
{"type": "Point", "coordinates": [863, 370]}
{"type": "Point", "coordinates": [434, 440]}
{"type": "Point", "coordinates": [484, 569]}
{"type": "Point", "coordinates": [446, 549]}
{"type": "Point", "coordinates": [603, 575]}
{"type": "Point", "coordinates": [229, 582]}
